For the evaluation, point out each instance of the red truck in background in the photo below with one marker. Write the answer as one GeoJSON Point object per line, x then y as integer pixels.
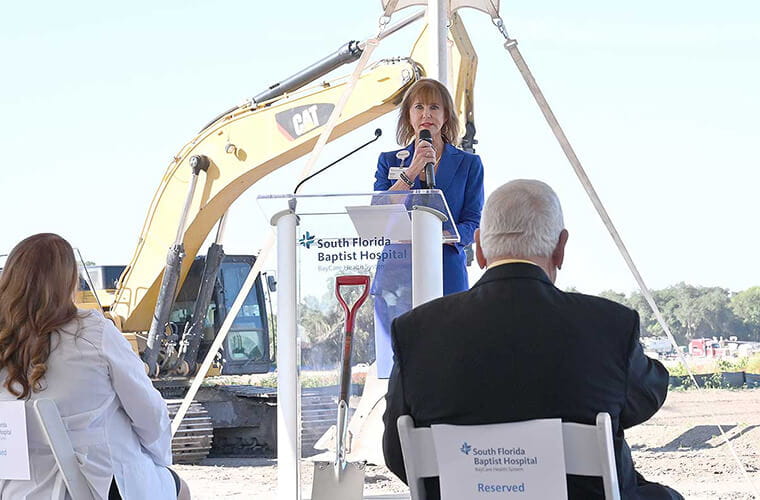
{"type": "Point", "coordinates": [705, 348]}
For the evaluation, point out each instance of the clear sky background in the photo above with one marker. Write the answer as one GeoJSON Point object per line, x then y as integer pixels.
{"type": "Point", "coordinates": [659, 99]}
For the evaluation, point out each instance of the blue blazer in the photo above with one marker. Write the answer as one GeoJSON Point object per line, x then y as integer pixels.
{"type": "Point", "coordinates": [460, 177]}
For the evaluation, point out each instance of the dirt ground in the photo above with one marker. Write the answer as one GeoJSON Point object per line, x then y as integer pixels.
{"type": "Point", "coordinates": [680, 446]}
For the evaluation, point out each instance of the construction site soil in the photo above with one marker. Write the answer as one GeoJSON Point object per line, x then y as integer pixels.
{"type": "Point", "coordinates": [680, 446]}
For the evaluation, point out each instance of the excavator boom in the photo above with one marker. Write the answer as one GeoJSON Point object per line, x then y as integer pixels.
{"type": "Point", "coordinates": [242, 147]}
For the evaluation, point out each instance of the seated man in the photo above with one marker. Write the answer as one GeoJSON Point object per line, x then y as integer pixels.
{"type": "Point", "coordinates": [514, 347]}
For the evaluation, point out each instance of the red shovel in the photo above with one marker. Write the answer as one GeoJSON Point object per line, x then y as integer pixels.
{"type": "Point", "coordinates": [341, 480]}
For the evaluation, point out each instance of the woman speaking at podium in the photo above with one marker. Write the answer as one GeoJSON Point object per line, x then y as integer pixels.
{"type": "Point", "coordinates": [427, 110]}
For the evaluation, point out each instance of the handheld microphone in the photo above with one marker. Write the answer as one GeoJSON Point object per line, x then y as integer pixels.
{"type": "Point", "coordinates": [429, 166]}
{"type": "Point", "coordinates": [292, 201]}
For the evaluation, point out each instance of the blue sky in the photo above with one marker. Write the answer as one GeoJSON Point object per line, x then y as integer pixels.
{"type": "Point", "coordinates": [659, 99]}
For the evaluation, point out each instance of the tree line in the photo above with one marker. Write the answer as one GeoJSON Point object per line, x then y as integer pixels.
{"type": "Point", "coordinates": [692, 311]}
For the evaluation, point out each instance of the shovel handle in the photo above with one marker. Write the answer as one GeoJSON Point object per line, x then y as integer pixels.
{"type": "Point", "coordinates": [345, 369]}
{"type": "Point", "coordinates": [354, 280]}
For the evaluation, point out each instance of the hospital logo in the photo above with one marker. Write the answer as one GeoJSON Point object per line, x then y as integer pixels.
{"type": "Point", "coordinates": [307, 240]}
{"type": "Point", "coordinates": [466, 448]}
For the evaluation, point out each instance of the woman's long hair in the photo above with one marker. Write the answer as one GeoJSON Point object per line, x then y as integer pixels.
{"type": "Point", "coordinates": [427, 90]}
{"type": "Point", "coordinates": [36, 298]}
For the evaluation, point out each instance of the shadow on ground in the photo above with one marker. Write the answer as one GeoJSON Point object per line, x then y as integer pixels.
{"type": "Point", "coordinates": [699, 437]}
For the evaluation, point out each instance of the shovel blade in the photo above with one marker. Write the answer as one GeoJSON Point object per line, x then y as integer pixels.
{"type": "Point", "coordinates": [326, 486]}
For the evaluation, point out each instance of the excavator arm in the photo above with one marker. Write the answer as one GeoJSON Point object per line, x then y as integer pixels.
{"type": "Point", "coordinates": [242, 147]}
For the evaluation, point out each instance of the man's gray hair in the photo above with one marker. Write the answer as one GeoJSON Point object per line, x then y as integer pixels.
{"type": "Point", "coordinates": [522, 218]}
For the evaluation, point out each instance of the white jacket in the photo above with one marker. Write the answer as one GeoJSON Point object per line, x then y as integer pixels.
{"type": "Point", "coordinates": [117, 421]}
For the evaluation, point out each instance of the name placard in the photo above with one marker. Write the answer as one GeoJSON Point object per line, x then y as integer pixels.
{"type": "Point", "coordinates": [522, 460]}
{"type": "Point", "coordinates": [14, 448]}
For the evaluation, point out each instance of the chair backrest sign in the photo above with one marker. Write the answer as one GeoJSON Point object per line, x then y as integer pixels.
{"type": "Point", "coordinates": [513, 460]}
{"type": "Point", "coordinates": [14, 448]}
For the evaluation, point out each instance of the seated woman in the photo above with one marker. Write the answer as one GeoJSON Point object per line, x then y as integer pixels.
{"type": "Point", "coordinates": [427, 105]}
{"type": "Point", "coordinates": [118, 423]}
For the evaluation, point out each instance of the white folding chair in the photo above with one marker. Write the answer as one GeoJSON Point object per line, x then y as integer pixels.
{"type": "Point", "coordinates": [588, 452]}
{"type": "Point", "coordinates": [63, 451]}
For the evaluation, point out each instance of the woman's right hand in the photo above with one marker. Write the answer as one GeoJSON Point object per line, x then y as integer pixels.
{"type": "Point", "coordinates": [423, 154]}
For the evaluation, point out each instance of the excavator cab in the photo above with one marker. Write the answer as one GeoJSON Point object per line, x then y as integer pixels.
{"type": "Point", "coordinates": [246, 348]}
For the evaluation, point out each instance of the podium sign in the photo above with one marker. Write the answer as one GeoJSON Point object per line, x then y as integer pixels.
{"type": "Point", "coordinates": [362, 240]}
{"type": "Point", "coordinates": [514, 460]}
{"type": "Point", "coordinates": [14, 448]}
{"type": "Point", "coordinates": [371, 234]}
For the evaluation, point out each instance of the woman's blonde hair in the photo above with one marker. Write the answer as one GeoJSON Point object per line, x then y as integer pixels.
{"type": "Point", "coordinates": [36, 298]}
{"type": "Point", "coordinates": [426, 91]}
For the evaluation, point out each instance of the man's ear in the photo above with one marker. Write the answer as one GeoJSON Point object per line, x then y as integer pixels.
{"type": "Point", "coordinates": [479, 251]}
{"type": "Point", "coordinates": [558, 256]}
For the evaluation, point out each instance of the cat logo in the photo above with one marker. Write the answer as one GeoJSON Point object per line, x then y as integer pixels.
{"type": "Point", "coordinates": [295, 122]}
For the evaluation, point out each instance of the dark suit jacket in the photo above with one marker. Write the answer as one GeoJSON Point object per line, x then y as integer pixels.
{"type": "Point", "coordinates": [515, 347]}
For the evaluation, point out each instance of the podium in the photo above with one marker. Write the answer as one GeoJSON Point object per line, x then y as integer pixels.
{"type": "Point", "coordinates": [395, 237]}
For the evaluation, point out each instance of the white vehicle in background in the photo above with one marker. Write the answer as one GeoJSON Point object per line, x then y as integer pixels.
{"type": "Point", "coordinates": [656, 347]}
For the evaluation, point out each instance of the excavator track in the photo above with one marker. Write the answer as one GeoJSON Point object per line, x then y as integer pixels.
{"type": "Point", "coordinates": [193, 439]}
{"type": "Point", "coordinates": [246, 418]}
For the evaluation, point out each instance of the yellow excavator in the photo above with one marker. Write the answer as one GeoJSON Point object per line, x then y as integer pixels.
{"type": "Point", "coordinates": [171, 305]}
